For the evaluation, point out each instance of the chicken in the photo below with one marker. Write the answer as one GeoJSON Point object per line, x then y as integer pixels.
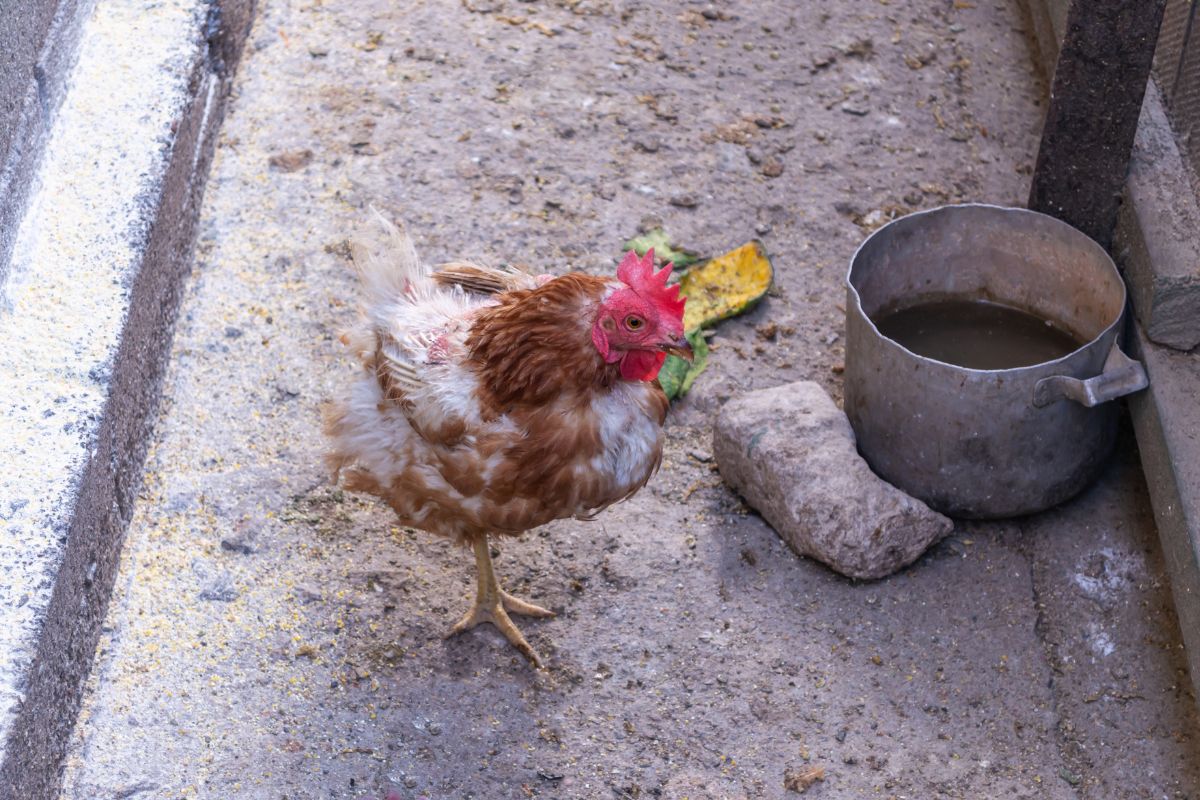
{"type": "Point", "coordinates": [493, 401]}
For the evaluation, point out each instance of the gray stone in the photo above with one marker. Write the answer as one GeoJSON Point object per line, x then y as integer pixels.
{"type": "Point", "coordinates": [214, 584]}
{"type": "Point", "coordinates": [219, 588]}
{"type": "Point", "coordinates": [247, 524]}
{"type": "Point", "coordinates": [684, 200]}
{"type": "Point", "coordinates": [244, 542]}
{"type": "Point", "coordinates": [307, 593]}
{"type": "Point", "coordinates": [647, 144]}
{"type": "Point", "coordinates": [789, 451]}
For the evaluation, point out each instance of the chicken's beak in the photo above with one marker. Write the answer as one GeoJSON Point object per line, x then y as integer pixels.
{"type": "Point", "coordinates": [678, 347]}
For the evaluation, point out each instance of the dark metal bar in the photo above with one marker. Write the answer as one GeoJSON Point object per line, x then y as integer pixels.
{"type": "Point", "coordinates": [1095, 101]}
{"type": "Point", "coordinates": [1168, 58]}
{"type": "Point", "coordinates": [1183, 50]}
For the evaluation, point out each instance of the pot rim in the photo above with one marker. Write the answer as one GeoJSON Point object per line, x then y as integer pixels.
{"type": "Point", "coordinates": [1084, 238]}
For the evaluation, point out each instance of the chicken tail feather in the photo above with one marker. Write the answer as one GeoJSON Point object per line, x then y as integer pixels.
{"type": "Point", "coordinates": [386, 260]}
{"type": "Point", "coordinates": [483, 280]}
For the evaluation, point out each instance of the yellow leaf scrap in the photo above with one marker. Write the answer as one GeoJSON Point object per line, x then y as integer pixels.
{"type": "Point", "coordinates": [725, 286]}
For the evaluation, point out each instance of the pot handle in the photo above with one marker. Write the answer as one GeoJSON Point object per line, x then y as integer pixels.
{"type": "Point", "coordinates": [1121, 376]}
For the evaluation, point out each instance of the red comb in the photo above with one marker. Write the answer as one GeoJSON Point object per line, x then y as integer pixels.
{"type": "Point", "coordinates": [638, 274]}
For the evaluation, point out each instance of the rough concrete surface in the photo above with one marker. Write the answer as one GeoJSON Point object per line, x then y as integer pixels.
{"type": "Point", "coordinates": [38, 43]}
{"type": "Point", "coordinates": [85, 317]}
{"type": "Point", "coordinates": [789, 451]}
{"type": "Point", "coordinates": [23, 31]}
{"type": "Point", "coordinates": [66, 303]}
{"type": "Point", "coordinates": [1157, 245]}
{"type": "Point", "coordinates": [1167, 420]}
{"type": "Point", "coordinates": [272, 637]}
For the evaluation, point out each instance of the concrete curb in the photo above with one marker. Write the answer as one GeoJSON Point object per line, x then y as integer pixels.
{"type": "Point", "coordinates": [1166, 419]}
{"type": "Point", "coordinates": [85, 326]}
{"type": "Point", "coordinates": [1157, 243]}
{"type": "Point", "coordinates": [38, 42]}
{"type": "Point", "coordinates": [1157, 247]}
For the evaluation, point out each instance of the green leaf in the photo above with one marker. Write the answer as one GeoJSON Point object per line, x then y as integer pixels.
{"type": "Point", "coordinates": [715, 288]}
{"type": "Point", "coordinates": [677, 375]}
{"type": "Point", "coordinates": [663, 249]}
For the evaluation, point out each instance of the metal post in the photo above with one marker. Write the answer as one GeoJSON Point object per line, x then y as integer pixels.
{"type": "Point", "coordinates": [1095, 100]}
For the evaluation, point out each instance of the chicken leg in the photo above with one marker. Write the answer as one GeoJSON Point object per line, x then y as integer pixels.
{"type": "Point", "coordinates": [493, 604]}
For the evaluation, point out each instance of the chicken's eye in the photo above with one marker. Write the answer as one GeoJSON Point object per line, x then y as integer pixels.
{"type": "Point", "coordinates": [634, 323]}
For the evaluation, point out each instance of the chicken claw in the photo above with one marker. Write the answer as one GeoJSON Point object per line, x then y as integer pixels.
{"type": "Point", "coordinates": [493, 604]}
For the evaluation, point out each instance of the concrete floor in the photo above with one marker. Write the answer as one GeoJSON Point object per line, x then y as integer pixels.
{"type": "Point", "coordinates": [273, 637]}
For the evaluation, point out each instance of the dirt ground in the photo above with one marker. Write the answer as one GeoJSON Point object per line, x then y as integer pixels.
{"type": "Point", "coordinates": [274, 637]}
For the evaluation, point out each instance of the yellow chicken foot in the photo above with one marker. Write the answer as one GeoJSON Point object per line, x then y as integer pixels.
{"type": "Point", "coordinates": [493, 604]}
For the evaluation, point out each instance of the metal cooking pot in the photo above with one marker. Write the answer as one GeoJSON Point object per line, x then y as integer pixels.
{"type": "Point", "coordinates": [986, 443]}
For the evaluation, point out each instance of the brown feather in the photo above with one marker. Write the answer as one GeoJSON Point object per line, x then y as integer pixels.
{"type": "Point", "coordinates": [536, 344]}
{"type": "Point", "coordinates": [481, 279]}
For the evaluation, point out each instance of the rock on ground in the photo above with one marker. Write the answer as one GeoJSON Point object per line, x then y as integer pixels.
{"type": "Point", "coordinates": [790, 452]}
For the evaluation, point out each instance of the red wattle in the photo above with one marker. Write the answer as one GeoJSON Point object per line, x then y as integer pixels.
{"type": "Point", "coordinates": [642, 365]}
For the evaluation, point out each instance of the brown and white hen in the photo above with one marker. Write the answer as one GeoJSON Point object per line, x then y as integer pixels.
{"type": "Point", "coordinates": [492, 401]}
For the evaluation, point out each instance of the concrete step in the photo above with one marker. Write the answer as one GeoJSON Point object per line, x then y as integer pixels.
{"type": "Point", "coordinates": [1167, 420]}
{"type": "Point", "coordinates": [38, 44]}
{"type": "Point", "coordinates": [86, 311]}
{"type": "Point", "coordinates": [1157, 247]}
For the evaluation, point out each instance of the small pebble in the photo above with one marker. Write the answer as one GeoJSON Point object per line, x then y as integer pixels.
{"type": "Point", "coordinates": [286, 391]}
{"type": "Point", "coordinates": [649, 223]}
{"type": "Point", "coordinates": [219, 589]}
{"type": "Point", "coordinates": [243, 545]}
{"type": "Point", "coordinates": [291, 160]}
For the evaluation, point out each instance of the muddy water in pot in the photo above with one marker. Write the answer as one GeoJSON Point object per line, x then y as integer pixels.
{"type": "Point", "coordinates": [976, 334]}
{"type": "Point", "coordinates": [1001, 438]}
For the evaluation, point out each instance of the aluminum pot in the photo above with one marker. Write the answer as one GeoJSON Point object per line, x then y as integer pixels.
{"type": "Point", "coordinates": [986, 443]}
